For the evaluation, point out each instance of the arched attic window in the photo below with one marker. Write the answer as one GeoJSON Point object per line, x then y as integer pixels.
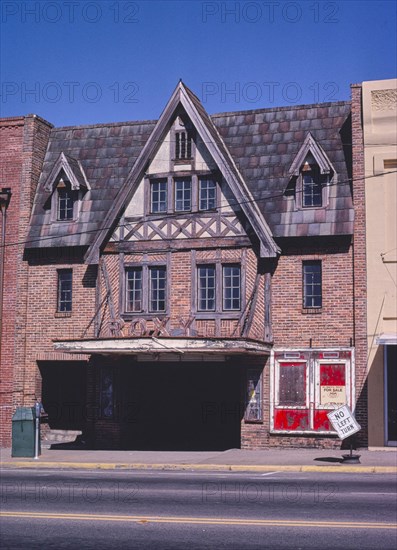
{"type": "Point", "coordinates": [312, 172]}
{"type": "Point", "coordinates": [67, 184]}
{"type": "Point", "coordinates": [182, 144]}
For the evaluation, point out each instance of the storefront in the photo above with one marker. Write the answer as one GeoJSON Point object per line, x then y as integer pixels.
{"type": "Point", "coordinates": [171, 393]}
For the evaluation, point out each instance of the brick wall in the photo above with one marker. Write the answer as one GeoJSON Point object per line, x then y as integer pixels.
{"type": "Point", "coordinates": [331, 325]}
{"type": "Point", "coordinates": [359, 256]}
{"type": "Point", "coordinates": [11, 154]}
{"type": "Point", "coordinates": [23, 144]}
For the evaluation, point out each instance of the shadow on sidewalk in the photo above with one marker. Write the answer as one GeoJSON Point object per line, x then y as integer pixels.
{"type": "Point", "coordinates": [328, 459]}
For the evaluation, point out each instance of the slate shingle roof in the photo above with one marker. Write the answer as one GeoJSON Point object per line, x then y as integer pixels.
{"type": "Point", "coordinates": [107, 153]}
{"type": "Point", "coordinates": [263, 144]}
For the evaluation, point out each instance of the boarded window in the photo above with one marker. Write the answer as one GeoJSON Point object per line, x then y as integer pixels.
{"type": "Point", "coordinates": [332, 384]}
{"type": "Point", "coordinates": [292, 384]}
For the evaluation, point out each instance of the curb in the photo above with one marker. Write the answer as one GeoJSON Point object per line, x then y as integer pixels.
{"type": "Point", "coordinates": [203, 467]}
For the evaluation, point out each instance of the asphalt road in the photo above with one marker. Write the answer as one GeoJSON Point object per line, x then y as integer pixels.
{"type": "Point", "coordinates": [191, 511]}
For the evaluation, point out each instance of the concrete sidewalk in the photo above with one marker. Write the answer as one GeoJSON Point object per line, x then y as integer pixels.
{"type": "Point", "coordinates": [297, 460]}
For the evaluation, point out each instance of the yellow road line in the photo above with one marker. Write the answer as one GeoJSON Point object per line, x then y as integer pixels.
{"type": "Point", "coordinates": [201, 520]}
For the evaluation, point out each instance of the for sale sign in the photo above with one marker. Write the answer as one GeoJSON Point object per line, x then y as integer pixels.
{"type": "Point", "coordinates": [343, 422]}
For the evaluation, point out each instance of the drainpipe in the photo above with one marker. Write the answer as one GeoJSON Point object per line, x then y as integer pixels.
{"type": "Point", "coordinates": [5, 197]}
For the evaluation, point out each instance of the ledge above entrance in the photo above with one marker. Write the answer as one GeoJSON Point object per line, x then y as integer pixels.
{"type": "Point", "coordinates": [165, 346]}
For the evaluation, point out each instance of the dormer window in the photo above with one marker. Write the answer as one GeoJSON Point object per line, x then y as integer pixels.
{"type": "Point", "coordinates": [312, 193]}
{"type": "Point", "coordinates": [66, 199]}
{"type": "Point", "coordinates": [183, 145]}
{"type": "Point", "coordinates": [67, 184]}
{"type": "Point", "coordinates": [311, 172]}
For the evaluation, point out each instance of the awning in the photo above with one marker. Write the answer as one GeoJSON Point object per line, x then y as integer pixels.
{"type": "Point", "coordinates": [152, 345]}
{"type": "Point", "coordinates": [387, 339]}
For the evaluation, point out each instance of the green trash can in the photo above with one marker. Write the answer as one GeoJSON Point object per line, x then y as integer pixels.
{"type": "Point", "coordinates": [23, 432]}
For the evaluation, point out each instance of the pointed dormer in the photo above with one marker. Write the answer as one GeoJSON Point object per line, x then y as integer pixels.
{"type": "Point", "coordinates": [183, 169]}
{"type": "Point", "coordinates": [67, 184]}
{"type": "Point", "coordinates": [311, 174]}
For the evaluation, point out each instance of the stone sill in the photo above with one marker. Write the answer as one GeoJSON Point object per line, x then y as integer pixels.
{"type": "Point", "coordinates": [312, 310]}
{"type": "Point", "coordinates": [61, 314]}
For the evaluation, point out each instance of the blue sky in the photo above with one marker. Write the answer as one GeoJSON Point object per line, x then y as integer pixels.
{"type": "Point", "coordinates": [82, 61]}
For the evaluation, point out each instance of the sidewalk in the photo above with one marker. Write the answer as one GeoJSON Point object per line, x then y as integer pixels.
{"type": "Point", "coordinates": [296, 460]}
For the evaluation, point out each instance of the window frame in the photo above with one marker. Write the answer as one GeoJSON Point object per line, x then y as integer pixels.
{"type": "Point", "coordinates": [315, 186]}
{"type": "Point", "coordinates": [146, 309]}
{"type": "Point", "coordinates": [200, 189]}
{"type": "Point", "coordinates": [153, 182]}
{"type": "Point", "coordinates": [128, 290]}
{"type": "Point", "coordinates": [60, 291]}
{"type": "Point", "coordinates": [75, 195]}
{"type": "Point", "coordinates": [183, 180]}
{"type": "Point", "coordinates": [219, 289]}
{"type": "Point", "coordinates": [170, 202]}
{"type": "Point", "coordinates": [159, 281]}
{"type": "Point", "coordinates": [305, 284]}
{"type": "Point", "coordinates": [310, 166]}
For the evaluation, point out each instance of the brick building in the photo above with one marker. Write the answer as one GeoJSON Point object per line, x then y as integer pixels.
{"type": "Point", "coordinates": [191, 280]}
{"type": "Point", "coordinates": [23, 141]}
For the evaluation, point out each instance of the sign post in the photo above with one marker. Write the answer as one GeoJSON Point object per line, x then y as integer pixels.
{"type": "Point", "coordinates": [345, 425]}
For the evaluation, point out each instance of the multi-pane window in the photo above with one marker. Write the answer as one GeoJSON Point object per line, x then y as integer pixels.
{"type": "Point", "coordinates": [158, 196]}
{"type": "Point", "coordinates": [227, 299]}
{"type": "Point", "coordinates": [183, 194]}
{"type": "Point", "coordinates": [134, 289]}
{"type": "Point", "coordinates": [231, 287]}
{"type": "Point", "coordinates": [157, 289]}
{"type": "Point", "coordinates": [312, 284]}
{"type": "Point", "coordinates": [64, 295]}
{"type": "Point", "coordinates": [183, 145]}
{"type": "Point", "coordinates": [189, 193]}
{"type": "Point", "coordinates": [206, 288]}
{"type": "Point", "coordinates": [145, 289]}
{"type": "Point", "coordinates": [66, 200]}
{"type": "Point", "coordinates": [207, 194]}
{"type": "Point", "coordinates": [312, 188]}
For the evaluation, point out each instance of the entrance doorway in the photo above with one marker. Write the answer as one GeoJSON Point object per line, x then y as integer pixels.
{"type": "Point", "coordinates": [391, 395]}
{"type": "Point", "coordinates": [64, 388]}
{"type": "Point", "coordinates": [180, 407]}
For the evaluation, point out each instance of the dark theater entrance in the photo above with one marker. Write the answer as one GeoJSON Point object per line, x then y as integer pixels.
{"type": "Point", "coordinates": [181, 406]}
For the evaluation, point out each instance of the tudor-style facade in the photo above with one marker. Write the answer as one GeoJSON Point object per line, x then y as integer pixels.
{"type": "Point", "coordinates": [191, 278]}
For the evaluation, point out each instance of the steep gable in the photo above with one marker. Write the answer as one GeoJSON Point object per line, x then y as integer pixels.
{"type": "Point", "coordinates": [182, 98]}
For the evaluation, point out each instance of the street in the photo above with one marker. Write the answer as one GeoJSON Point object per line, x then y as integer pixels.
{"type": "Point", "coordinates": [194, 510]}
